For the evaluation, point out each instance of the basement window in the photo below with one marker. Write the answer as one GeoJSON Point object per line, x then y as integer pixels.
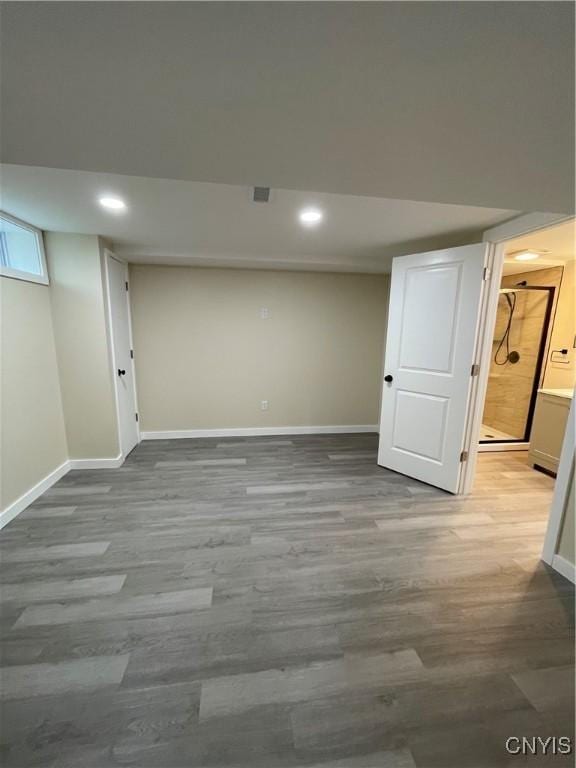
{"type": "Point", "coordinates": [21, 250]}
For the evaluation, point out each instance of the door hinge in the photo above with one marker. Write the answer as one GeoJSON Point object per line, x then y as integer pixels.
{"type": "Point", "coordinates": [487, 274]}
{"type": "Point", "coordinates": [136, 416]}
{"type": "Point", "coordinates": [132, 354]}
{"type": "Point", "coordinates": [475, 370]}
{"type": "Point", "coordinates": [464, 456]}
{"type": "Point", "coordinates": [126, 284]}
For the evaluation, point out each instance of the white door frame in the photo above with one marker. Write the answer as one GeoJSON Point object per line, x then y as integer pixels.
{"type": "Point", "coordinates": [110, 255]}
{"type": "Point", "coordinates": [559, 501]}
{"type": "Point", "coordinates": [497, 237]}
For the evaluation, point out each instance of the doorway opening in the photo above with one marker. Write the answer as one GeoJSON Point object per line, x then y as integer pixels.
{"type": "Point", "coordinates": [533, 354]}
{"type": "Point", "coordinates": [529, 374]}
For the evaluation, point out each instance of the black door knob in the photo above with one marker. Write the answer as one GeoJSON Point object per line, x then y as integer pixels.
{"type": "Point", "coordinates": [388, 378]}
{"type": "Point", "coordinates": [121, 372]}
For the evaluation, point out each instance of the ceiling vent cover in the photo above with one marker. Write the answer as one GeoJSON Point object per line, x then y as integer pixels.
{"type": "Point", "coordinates": [261, 194]}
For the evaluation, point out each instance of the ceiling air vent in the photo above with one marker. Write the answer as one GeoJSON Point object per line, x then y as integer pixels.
{"type": "Point", "coordinates": [261, 194]}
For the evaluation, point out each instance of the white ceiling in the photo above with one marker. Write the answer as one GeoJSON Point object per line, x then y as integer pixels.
{"type": "Point", "coordinates": [453, 102]}
{"type": "Point", "coordinates": [182, 222]}
{"type": "Point", "coordinates": [558, 243]}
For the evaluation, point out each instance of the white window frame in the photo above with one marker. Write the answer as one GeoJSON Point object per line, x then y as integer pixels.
{"type": "Point", "coordinates": [20, 274]}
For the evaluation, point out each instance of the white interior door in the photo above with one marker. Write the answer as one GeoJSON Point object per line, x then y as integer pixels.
{"type": "Point", "coordinates": [432, 326]}
{"type": "Point", "coordinates": [121, 354]}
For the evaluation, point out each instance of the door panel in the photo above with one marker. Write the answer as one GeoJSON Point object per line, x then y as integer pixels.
{"type": "Point", "coordinates": [432, 325]}
{"type": "Point", "coordinates": [429, 346]}
{"type": "Point", "coordinates": [412, 410]}
{"type": "Point", "coordinates": [121, 346]}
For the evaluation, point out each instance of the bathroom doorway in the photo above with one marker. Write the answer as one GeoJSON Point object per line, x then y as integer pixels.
{"type": "Point", "coordinates": [530, 359]}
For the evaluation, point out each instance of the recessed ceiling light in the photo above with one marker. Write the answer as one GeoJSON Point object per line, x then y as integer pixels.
{"type": "Point", "coordinates": [112, 203]}
{"type": "Point", "coordinates": [310, 216]}
{"type": "Point", "coordinates": [526, 256]}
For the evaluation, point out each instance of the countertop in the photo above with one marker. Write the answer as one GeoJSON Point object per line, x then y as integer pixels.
{"type": "Point", "coordinates": [567, 393]}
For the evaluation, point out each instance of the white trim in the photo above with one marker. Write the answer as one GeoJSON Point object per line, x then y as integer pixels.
{"type": "Point", "coordinates": [523, 225]}
{"type": "Point", "coordinates": [564, 568]}
{"type": "Point", "coordinates": [561, 488]}
{"type": "Point", "coordinates": [108, 254]}
{"type": "Point", "coordinates": [486, 322]}
{"type": "Point", "coordinates": [27, 277]}
{"type": "Point", "coordinates": [30, 496]}
{"type": "Point", "coordinates": [177, 434]}
{"type": "Point", "coordinates": [19, 274]}
{"type": "Point", "coordinates": [36, 491]}
{"type": "Point", "coordinates": [97, 463]}
{"type": "Point", "coordinates": [110, 340]}
{"type": "Point", "coordinates": [492, 447]}
{"type": "Point", "coordinates": [132, 358]}
{"type": "Point", "coordinates": [383, 357]}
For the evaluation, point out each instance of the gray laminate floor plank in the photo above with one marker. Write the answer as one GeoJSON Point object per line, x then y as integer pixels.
{"type": "Point", "coordinates": [398, 758]}
{"type": "Point", "coordinates": [191, 463]}
{"type": "Point", "coordinates": [48, 512]}
{"type": "Point", "coordinates": [434, 520]}
{"type": "Point", "coordinates": [122, 607]}
{"type": "Point", "coordinates": [42, 591]}
{"type": "Point", "coordinates": [54, 552]}
{"type": "Point", "coordinates": [19, 682]}
{"type": "Point", "coordinates": [76, 490]}
{"type": "Point", "coordinates": [547, 689]}
{"type": "Point", "coordinates": [224, 696]}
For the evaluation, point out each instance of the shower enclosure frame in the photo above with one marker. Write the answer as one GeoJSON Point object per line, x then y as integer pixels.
{"type": "Point", "coordinates": [544, 338]}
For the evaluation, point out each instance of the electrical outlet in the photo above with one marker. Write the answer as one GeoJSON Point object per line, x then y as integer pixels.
{"type": "Point", "coordinates": [264, 313]}
{"type": "Point", "coordinates": [263, 405]}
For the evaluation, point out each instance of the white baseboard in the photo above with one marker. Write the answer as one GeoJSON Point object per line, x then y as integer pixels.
{"type": "Point", "coordinates": [258, 432]}
{"type": "Point", "coordinates": [564, 567]}
{"type": "Point", "coordinates": [30, 496]}
{"type": "Point", "coordinates": [97, 463]}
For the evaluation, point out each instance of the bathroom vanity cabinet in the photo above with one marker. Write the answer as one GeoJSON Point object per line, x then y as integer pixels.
{"type": "Point", "coordinates": [548, 427]}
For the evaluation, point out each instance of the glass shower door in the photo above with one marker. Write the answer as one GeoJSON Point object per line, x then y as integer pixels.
{"type": "Point", "coordinates": [518, 350]}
